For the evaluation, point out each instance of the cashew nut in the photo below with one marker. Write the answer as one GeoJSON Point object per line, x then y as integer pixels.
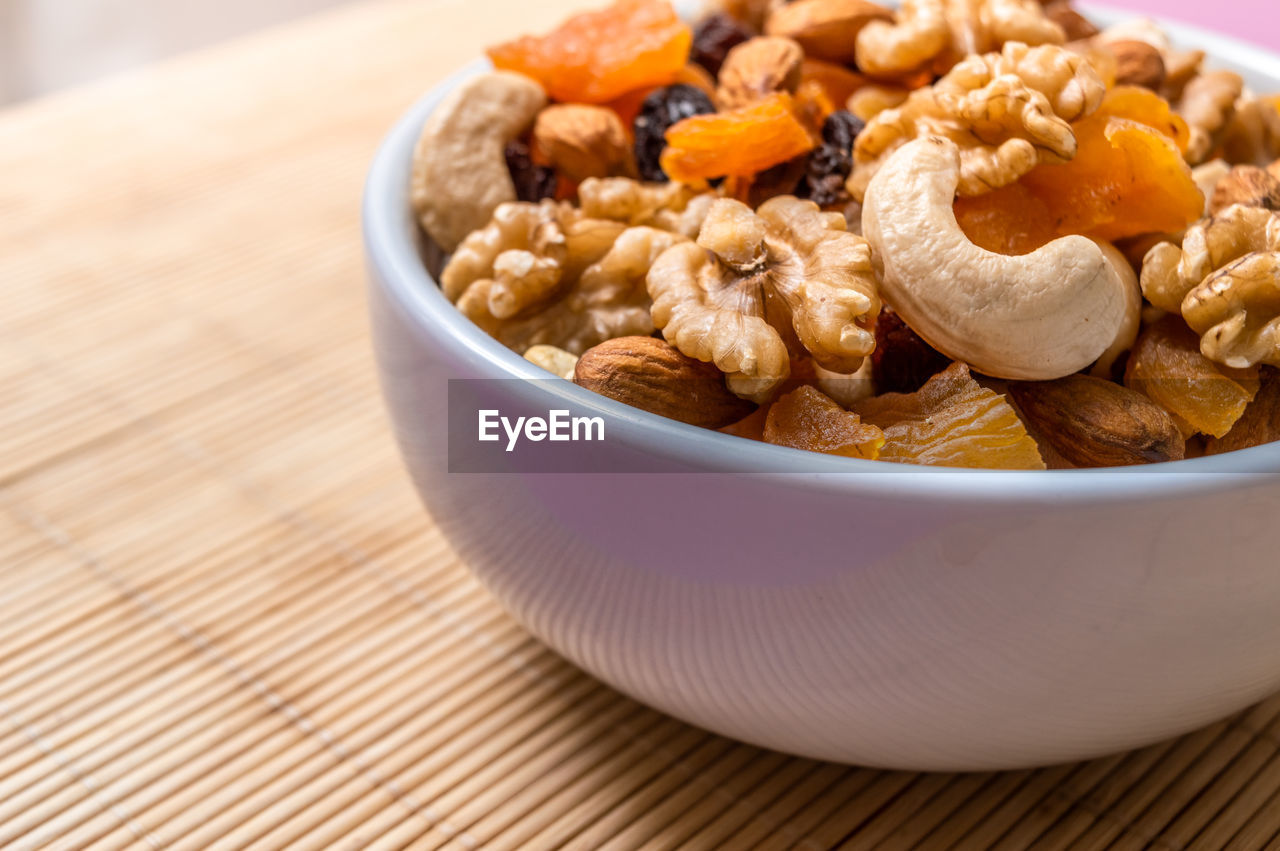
{"type": "Point", "coordinates": [1032, 317]}
{"type": "Point", "coordinates": [1132, 324]}
{"type": "Point", "coordinates": [460, 173]}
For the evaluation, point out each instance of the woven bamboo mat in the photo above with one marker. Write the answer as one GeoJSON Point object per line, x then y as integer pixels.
{"type": "Point", "coordinates": [225, 621]}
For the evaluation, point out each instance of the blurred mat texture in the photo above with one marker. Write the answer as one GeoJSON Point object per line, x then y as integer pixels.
{"type": "Point", "coordinates": [225, 622]}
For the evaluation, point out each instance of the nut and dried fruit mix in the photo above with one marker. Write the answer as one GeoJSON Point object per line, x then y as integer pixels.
{"type": "Point", "coordinates": [973, 233]}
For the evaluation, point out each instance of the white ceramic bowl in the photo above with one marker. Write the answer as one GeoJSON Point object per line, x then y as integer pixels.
{"type": "Point", "coordinates": [845, 610]}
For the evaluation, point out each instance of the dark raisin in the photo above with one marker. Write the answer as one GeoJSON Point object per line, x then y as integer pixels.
{"type": "Point", "coordinates": [841, 129]}
{"type": "Point", "coordinates": [826, 171]}
{"type": "Point", "coordinates": [827, 191]}
{"type": "Point", "coordinates": [533, 182]}
{"type": "Point", "coordinates": [902, 361]}
{"type": "Point", "coordinates": [831, 162]}
{"type": "Point", "coordinates": [661, 109]}
{"type": "Point", "coordinates": [714, 38]}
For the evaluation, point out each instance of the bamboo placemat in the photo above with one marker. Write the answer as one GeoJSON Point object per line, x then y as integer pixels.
{"type": "Point", "coordinates": [225, 621]}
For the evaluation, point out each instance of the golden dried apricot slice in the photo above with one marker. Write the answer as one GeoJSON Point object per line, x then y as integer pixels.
{"type": "Point", "coordinates": [1261, 421]}
{"type": "Point", "coordinates": [806, 418]}
{"type": "Point", "coordinates": [1166, 365]}
{"type": "Point", "coordinates": [952, 421]}
{"type": "Point", "coordinates": [1126, 179]}
{"type": "Point", "coordinates": [740, 142]}
{"type": "Point", "coordinates": [1144, 106]}
{"type": "Point", "coordinates": [1009, 220]}
{"type": "Point", "coordinates": [597, 56]}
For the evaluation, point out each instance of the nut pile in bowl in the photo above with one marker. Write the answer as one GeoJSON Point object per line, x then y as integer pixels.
{"type": "Point", "coordinates": [973, 233]}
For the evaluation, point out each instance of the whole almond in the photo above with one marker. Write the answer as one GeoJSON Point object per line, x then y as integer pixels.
{"type": "Point", "coordinates": [753, 13]}
{"type": "Point", "coordinates": [1247, 185]}
{"type": "Point", "coordinates": [1138, 64]}
{"type": "Point", "coordinates": [826, 29]}
{"type": "Point", "coordinates": [584, 141]}
{"type": "Point", "coordinates": [759, 67]}
{"type": "Point", "coordinates": [1260, 422]}
{"type": "Point", "coordinates": [1096, 423]}
{"type": "Point", "coordinates": [654, 376]}
{"type": "Point", "coordinates": [1076, 26]}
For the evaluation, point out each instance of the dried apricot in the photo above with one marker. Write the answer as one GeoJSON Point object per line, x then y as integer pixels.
{"type": "Point", "coordinates": [597, 56]}
{"type": "Point", "coordinates": [1009, 220]}
{"type": "Point", "coordinates": [697, 76]}
{"type": "Point", "coordinates": [740, 142]}
{"type": "Point", "coordinates": [1167, 366]}
{"type": "Point", "coordinates": [808, 419]}
{"type": "Point", "coordinates": [952, 421]}
{"type": "Point", "coordinates": [1146, 107]}
{"type": "Point", "coordinates": [1126, 179]}
{"type": "Point", "coordinates": [751, 426]}
{"type": "Point", "coordinates": [836, 80]}
{"type": "Point", "coordinates": [813, 105]}
{"type": "Point", "coordinates": [1261, 421]}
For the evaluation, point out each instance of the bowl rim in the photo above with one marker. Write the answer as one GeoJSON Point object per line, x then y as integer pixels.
{"type": "Point", "coordinates": [392, 251]}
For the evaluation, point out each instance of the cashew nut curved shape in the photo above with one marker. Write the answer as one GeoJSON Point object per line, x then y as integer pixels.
{"type": "Point", "coordinates": [459, 171]}
{"type": "Point", "coordinates": [1033, 317]}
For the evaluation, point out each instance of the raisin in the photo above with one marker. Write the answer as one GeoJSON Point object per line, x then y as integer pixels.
{"type": "Point", "coordinates": [532, 182]}
{"type": "Point", "coordinates": [662, 109]}
{"type": "Point", "coordinates": [714, 38]}
{"type": "Point", "coordinates": [902, 361]}
{"type": "Point", "coordinates": [841, 129]}
{"type": "Point", "coordinates": [831, 162]}
{"type": "Point", "coordinates": [825, 191]}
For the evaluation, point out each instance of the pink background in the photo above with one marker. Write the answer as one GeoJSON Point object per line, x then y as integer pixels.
{"type": "Point", "coordinates": [1257, 21]}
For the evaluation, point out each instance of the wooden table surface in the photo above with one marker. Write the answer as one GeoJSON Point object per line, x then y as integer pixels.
{"type": "Point", "coordinates": [224, 619]}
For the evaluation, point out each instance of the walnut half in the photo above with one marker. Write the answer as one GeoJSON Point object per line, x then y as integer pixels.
{"type": "Point", "coordinates": [1236, 310]}
{"type": "Point", "coordinates": [1007, 112]}
{"type": "Point", "coordinates": [665, 206]}
{"type": "Point", "coordinates": [935, 34]}
{"type": "Point", "coordinates": [758, 289]}
{"type": "Point", "coordinates": [1225, 281]}
{"type": "Point", "coordinates": [547, 274]}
